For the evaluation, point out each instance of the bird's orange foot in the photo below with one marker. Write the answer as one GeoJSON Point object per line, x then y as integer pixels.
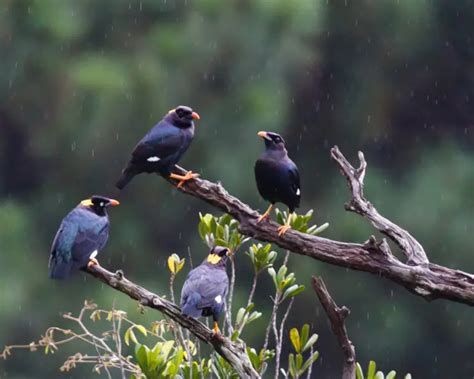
{"type": "Point", "coordinates": [184, 178]}
{"type": "Point", "coordinates": [263, 217]}
{"type": "Point", "coordinates": [266, 214]}
{"type": "Point", "coordinates": [93, 262]}
{"type": "Point", "coordinates": [215, 330]}
{"type": "Point", "coordinates": [283, 229]}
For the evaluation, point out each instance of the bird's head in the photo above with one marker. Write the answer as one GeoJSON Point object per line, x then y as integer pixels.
{"type": "Point", "coordinates": [218, 256]}
{"type": "Point", "coordinates": [98, 204]}
{"type": "Point", "coordinates": [272, 140]}
{"type": "Point", "coordinates": [182, 116]}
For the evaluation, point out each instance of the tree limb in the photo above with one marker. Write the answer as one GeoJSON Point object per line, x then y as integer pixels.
{"type": "Point", "coordinates": [355, 177]}
{"type": "Point", "coordinates": [233, 352]}
{"type": "Point", "coordinates": [337, 317]}
{"type": "Point", "coordinates": [424, 279]}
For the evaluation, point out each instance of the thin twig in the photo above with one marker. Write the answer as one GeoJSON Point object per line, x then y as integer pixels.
{"type": "Point", "coordinates": [230, 296]}
{"type": "Point", "coordinates": [252, 290]}
{"type": "Point", "coordinates": [280, 338]}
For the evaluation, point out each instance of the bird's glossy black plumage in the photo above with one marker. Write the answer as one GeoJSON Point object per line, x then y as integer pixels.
{"type": "Point", "coordinates": [81, 235]}
{"type": "Point", "coordinates": [163, 146]}
{"type": "Point", "coordinates": [277, 176]}
{"type": "Point", "coordinates": [205, 289]}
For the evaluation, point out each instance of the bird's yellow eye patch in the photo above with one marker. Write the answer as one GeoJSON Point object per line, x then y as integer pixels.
{"type": "Point", "coordinates": [86, 203]}
{"type": "Point", "coordinates": [171, 110]}
{"type": "Point", "coordinates": [213, 258]}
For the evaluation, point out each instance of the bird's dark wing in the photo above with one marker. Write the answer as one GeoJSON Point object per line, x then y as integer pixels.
{"type": "Point", "coordinates": [162, 141]}
{"type": "Point", "coordinates": [295, 181]}
{"type": "Point", "coordinates": [80, 234]}
{"type": "Point", "coordinates": [90, 237]}
{"type": "Point", "coordinates": [208, 283]}
{"type": "Point", "coordinates": [60, 260]}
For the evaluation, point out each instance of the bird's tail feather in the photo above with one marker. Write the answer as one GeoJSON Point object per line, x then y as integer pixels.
{"type": "Point", "coordinates": [127, 175]}
{"type": "Point", "coordinates": [60, 269]}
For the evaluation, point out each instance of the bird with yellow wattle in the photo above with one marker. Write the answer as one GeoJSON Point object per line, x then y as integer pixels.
{"type": "Point", "coordinates": [80, 237]}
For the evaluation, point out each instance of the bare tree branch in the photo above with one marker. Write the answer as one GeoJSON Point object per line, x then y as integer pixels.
{"type": "Point", "coordinates": [337, 316]}
{"type": "Point", "coordinates": [424, 279]}
{"type": "Point", "coordinates": [355, 177]}
{"type": "Point", "coordinates": [233, 352]}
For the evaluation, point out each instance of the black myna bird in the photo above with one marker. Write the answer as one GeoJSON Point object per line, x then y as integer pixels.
{"type": "Point", "coordinates": [205, 290]}
{"type": "Point", "coordinates": [82, 234]}
{"type": "Point", "coordinates": [277, 177]}
{"type": "Point", "coordinates": [162, 147]}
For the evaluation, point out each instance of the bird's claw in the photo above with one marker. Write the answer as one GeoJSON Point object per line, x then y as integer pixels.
{"type": "Point", "coordinates": [92, 262]}
{"type": "Point", "coordinates": [283, 229]}
{"type": "Point", "coordinates": [216, 333]}
{"type": "Point", "coordinates": [188, 176]}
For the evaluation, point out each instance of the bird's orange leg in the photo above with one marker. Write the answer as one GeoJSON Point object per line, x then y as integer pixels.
{"type": "Point", "coordinates": [266, 214]}
{"type": "Point", "coordinates": [284, 228]}
{"type": "Point", "coordinates": [184, 178]}
{"type": "Point", "coordinates": [215, 329]}
{"type": "Point", "coordinates": [93, 262]}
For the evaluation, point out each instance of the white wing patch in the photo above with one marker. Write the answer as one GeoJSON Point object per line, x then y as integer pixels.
{"type": "Point", "coordinates": [298, 192]}
{"type": "Point", "coordinates": [218, 299]}
{"type": "Point", "coordinates": [93, 254]}
{"type": "Point", "coordinates": [153, 159]}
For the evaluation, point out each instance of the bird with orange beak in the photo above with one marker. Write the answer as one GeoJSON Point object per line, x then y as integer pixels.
{"type": "Point", "coordinates": [163, 147]}
{"type": "Point", "coordinates": [81, 235]}
{"type": "Point", "coordinates": [277, 177]}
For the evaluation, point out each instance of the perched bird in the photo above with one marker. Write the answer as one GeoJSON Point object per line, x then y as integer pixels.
{"type": "Point", "coordinates": [162, 147]}
{"type": "Point", "coordinates": [277, 177]}
{"type": "Point", "coordinates": [83, 232]}
{"type": "Point", "coordinates": [205, 289]}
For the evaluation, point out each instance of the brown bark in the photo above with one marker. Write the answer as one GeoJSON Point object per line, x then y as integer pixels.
{"type": "Point", "coordinates": [233, 352]}
{"type": "Point", "coordinates": [337, 316]}
{"type": "Point", "coordinates": [418, 275]}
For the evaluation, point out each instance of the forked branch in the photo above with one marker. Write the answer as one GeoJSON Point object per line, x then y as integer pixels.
{"type": "Point", "coordinates": [424, 279]}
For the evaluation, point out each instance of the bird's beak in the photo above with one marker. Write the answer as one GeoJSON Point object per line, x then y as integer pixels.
{"type": "Point", "coordinates": [263, 135]}
{"type": "Point", "coordinates": [114, 202]}
{"type": "Point", "coordinates": [195, 116]}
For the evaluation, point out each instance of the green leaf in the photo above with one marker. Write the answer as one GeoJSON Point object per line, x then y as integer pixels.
{"type": "Point", "coordinates": [166, 348]}
{"type": "Point", "coordinates": [142, 329]}
{"type": "Point", "coordinates": [408, 376]}
{"type": "Point", "coordinates": [392, 374]}
{"type": "Point", "coordinates": [293, 291]}
{"type": "Point", "coordinates": [310, 361]}
{"type": "Point", "coordinates": [321, 228]}
{"type": "Point", "coordinates": [312, 340]}
{"type": "Point", "coordinates": [292, 365]}
{"type": "Point", "coordinates": [379, 375]}
{"type": "Point", "coordinates": [371, 370]}
{"type": "Point", "coordinates": [359, 372]}
{"type": "Point", "coordinates": [253, 316]}
{"type": "Point", "coordinates": [295, 339]}
{"type": "Point", "coordinates": [141, 354]}
{"type": "Point", "coordinates": [299, 362]}
{"type": "Point", "coordinates": [272, 273]}
{"type": "Point", "coordinates": [240, 316]}
{"type": "Point", "coordinates": [304, 335]}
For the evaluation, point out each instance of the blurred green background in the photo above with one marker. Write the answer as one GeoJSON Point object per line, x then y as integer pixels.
{"type": "Point", "coordinates": [82, 81]}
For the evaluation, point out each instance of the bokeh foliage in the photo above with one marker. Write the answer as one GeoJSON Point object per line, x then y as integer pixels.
{"type": "Point", "coordinates": [82, 81]}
